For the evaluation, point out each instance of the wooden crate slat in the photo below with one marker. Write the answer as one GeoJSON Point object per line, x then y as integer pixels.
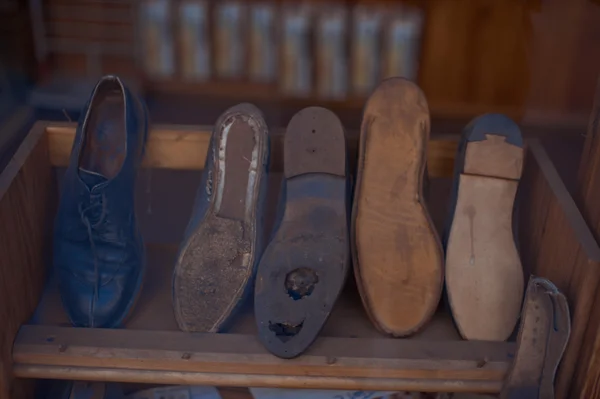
{"type": "Point", "coordinates": [254, 380]}
{"type": "Point", "coordinates": [186, 148]}
{"type": "Point", "coordinates": [243, 354]}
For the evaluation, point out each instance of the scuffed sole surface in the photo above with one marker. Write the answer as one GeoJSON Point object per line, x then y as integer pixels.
{"type": "Point", "coordinates": [484, 276]}
{"type": "Point", "coordinates": [398, 259]}
{"type": "Point", "coordinates": [215, 266]}
{"type": "Point", "coordinates": [304, 267]}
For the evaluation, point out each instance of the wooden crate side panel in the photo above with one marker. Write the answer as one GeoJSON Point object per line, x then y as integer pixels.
{"type": "Point", "coordinates": [534, 201]}
{"type": "Point", "coordinates": [589, 169]}
{"type": "Point", "coordinates": [559, 246]}
{"type": "Point", "coordinates": [27, 200]}
{"type": "Point", "coordinates": [581, 294]}
{"type": "Point", "coordinates": [587, 380]}
{"type": "Point", "coordinates": [586, 383]}
{"type": "Point", "coordinates": [543, 251]}
{"type": "Point", "coordinates": [558, 250]}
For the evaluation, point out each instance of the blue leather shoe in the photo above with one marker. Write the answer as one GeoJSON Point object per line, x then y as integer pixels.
{"type": "Point", "coordinates": [223, 242]}
{"type": "Point", "coordinates": [98, 250]}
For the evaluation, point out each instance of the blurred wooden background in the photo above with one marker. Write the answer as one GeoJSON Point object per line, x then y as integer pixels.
{"type": "Point", "coordinates": [535, 60]}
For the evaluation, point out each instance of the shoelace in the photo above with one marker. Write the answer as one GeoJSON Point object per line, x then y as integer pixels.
{"type": "Point", "coordinates": [83, 212]}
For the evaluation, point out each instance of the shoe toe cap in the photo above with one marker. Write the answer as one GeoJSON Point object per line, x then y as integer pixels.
{"type": "Point", "coordinates": [105, 309]}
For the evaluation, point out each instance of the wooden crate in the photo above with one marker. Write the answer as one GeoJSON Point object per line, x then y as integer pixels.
{"type": "Point", "coordinates": [37, 341]}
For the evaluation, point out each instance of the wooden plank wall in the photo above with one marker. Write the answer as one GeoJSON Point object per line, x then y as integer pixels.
{"type": "Point", "coordinates": [27, 205]}
{"type": "Point", "coordinates": [587, 384]}
{"type": "Point", "coordinates": [557, 244]}
{"type": "Point", "coordinates": [474, 54]}
{"type": "Point", "coordinates": [16, 45]}
{"type": "Point", "coordinates": [76, 29]}
{"type": "Point", "coordinates": [516, 57]}
{"type": "Point", "coordinates": [564, 61]}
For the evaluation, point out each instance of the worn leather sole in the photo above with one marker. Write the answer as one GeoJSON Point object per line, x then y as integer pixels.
{"type": "Point", "coordinates": [484, 277]}
{"type": "Point", "coordinates": [303, 268]}
{"type": "Point", "coordinates": [215, 267]}
{"type": "Point", "coordinates": [397, 254]}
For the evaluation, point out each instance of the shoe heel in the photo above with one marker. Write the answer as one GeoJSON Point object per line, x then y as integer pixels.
{"type": "Point", "coordinates": [314, 143]}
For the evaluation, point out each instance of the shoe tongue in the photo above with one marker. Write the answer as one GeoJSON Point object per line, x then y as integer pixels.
{"type": "Point", "coordinates": [91, 179]}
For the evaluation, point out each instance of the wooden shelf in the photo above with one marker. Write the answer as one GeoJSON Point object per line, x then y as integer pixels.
{"type": "Point", "coordinates": [350, 353]}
